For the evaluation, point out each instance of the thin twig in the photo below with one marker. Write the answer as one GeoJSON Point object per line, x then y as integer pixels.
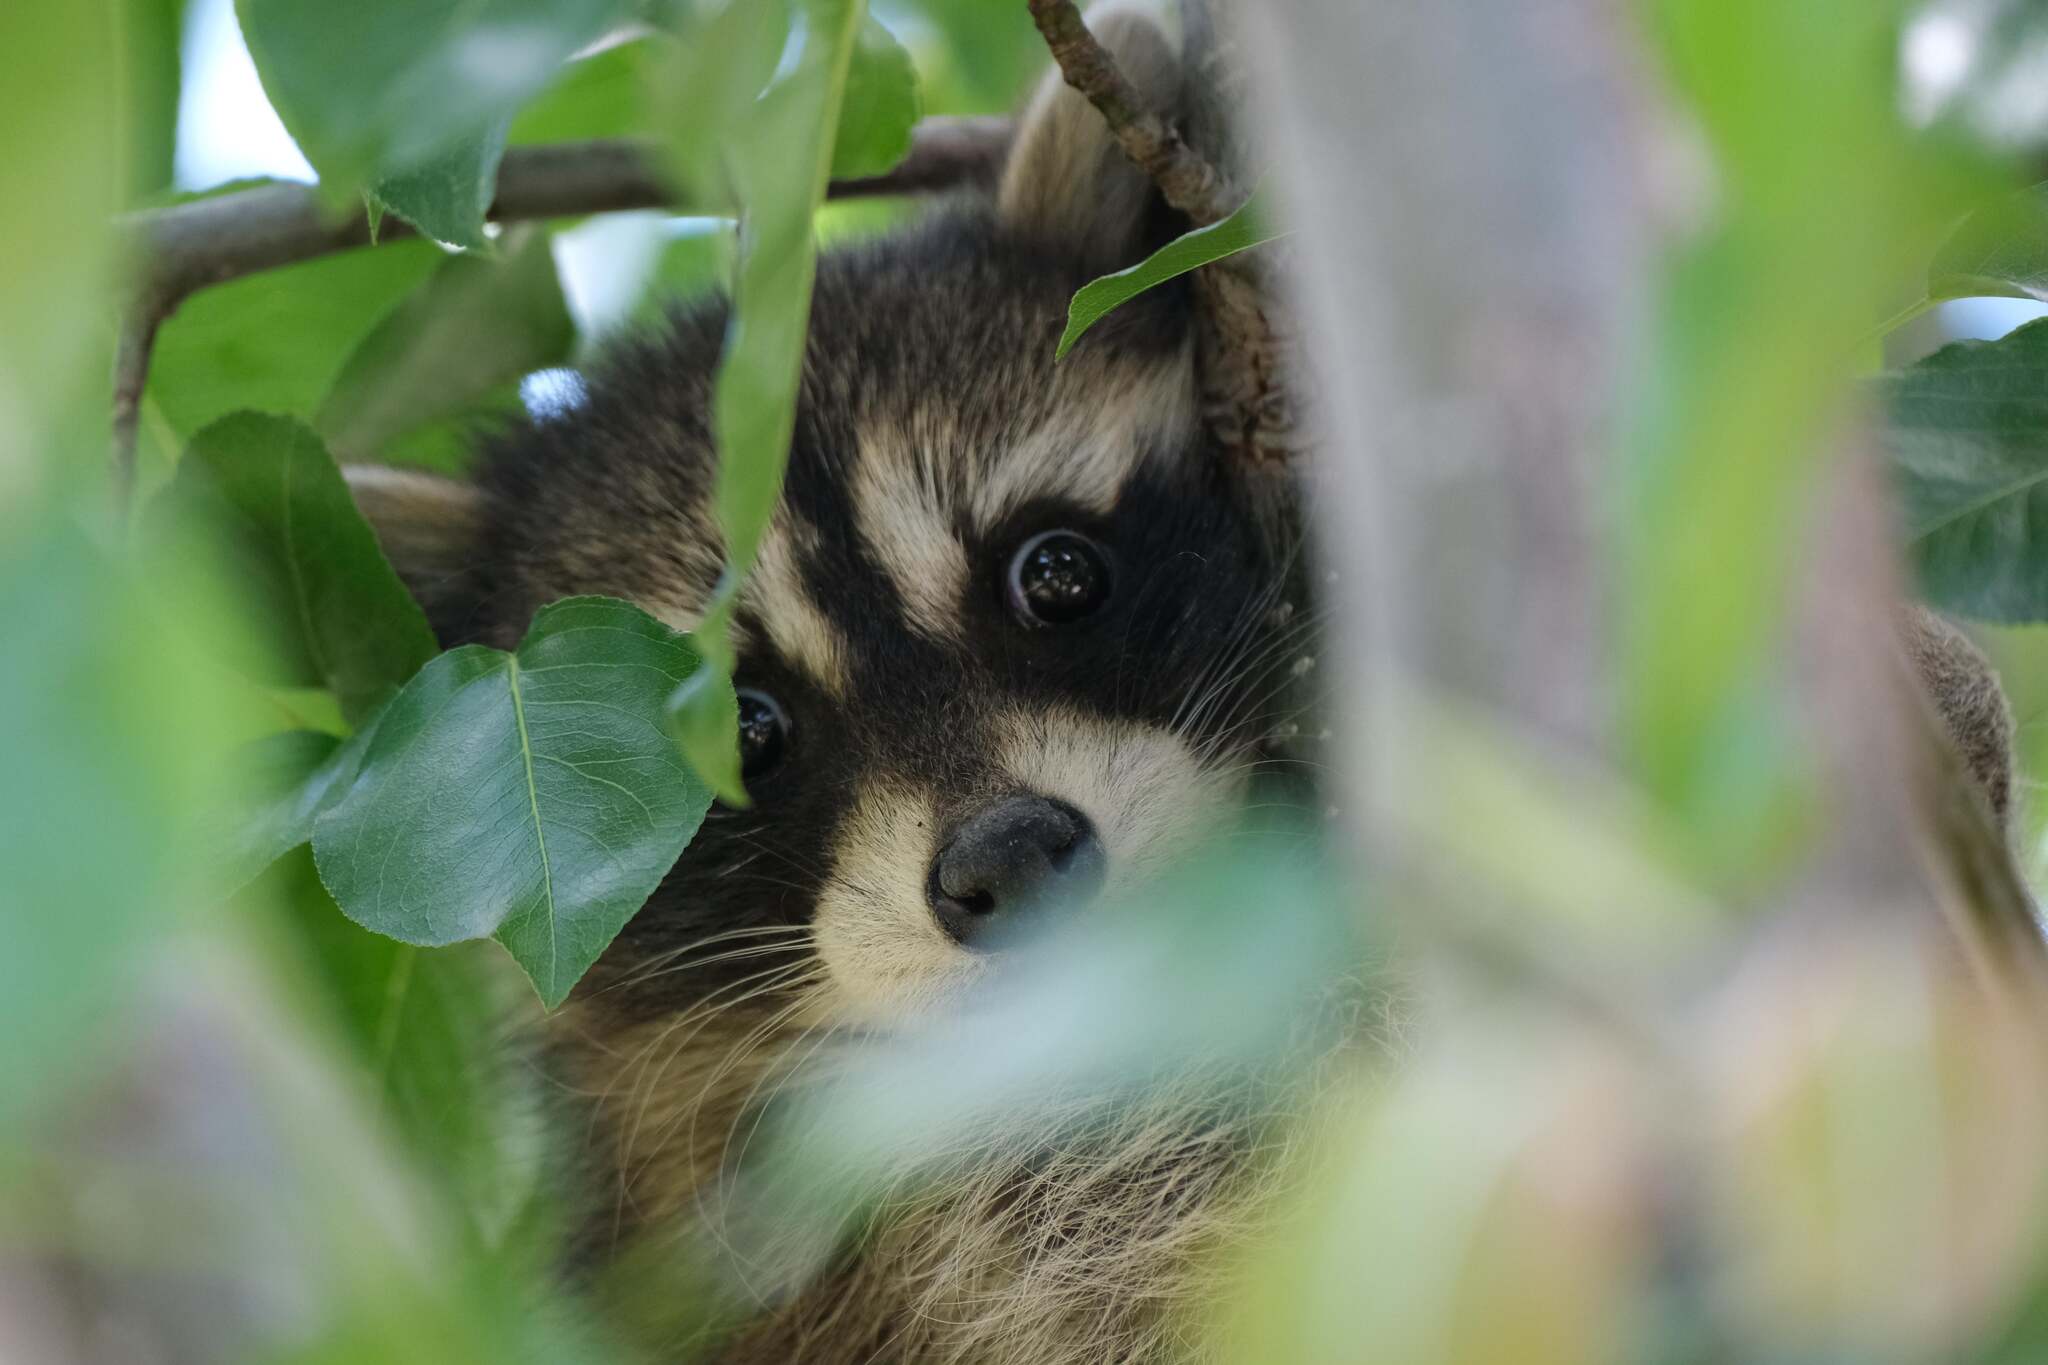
{"type": "Point", "coordinates": [131, 376]}
{"type": "Point", "coordinates": [1185, 177]}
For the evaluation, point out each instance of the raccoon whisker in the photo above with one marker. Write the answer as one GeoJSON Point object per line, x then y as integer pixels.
{"type": "Point", "coordinates": [800, 867]}
{"type": "Point", "coordinates": [1239, 633]}
{"type": "Point", "coordinates": [630, 1145]}
{"type": "Point", "coordinates": [818, 1036]}
{"type": "Point", "coordinates": [1159, 621]}
{"type": "Point", "coordinates": [731, 955]}
{"type": "Point", "coordinates": [1240, 670]}
{"type": "Point", "coordinates": [740, 864]}
{"type": "Point", "coordinates": [1259, 608]}
{"type": "Point", "coordinates": [666, 961]}
{"type": "Point", "coordinates": [1253, 717]}
{"type": "Point", "coordinates": [745, 1050]}
{"type": "Point", "coordinates": [1284, 638]}
{"type": "Point", "coordinates": [645, 1079]}
{"type": "Point", "coordinates": [1248, 680]}
{"type": "Point", "coordinates": [705, 1089]}
{"type": "Point", "coordinates": [750, 1045]}
{"type": "Point", "coordinates": [692, 1021]}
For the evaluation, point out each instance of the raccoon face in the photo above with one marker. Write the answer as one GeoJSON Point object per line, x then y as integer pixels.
{"type": "Point", "coordinates": [1012, 634]}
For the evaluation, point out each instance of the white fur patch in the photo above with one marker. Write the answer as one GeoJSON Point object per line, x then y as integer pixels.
{"type": "Point", "coordinates": [888, 961]}
{"type": "Point", "coordinates": [1086, 450]}
{"type": "Point", "coordinates": [887, 958]}
{"type": "Point", "coordinates": [795, 626]}
{"type": "Point", "coordinates": [900, 509]}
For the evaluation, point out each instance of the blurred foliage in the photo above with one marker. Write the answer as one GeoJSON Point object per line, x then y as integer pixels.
{"type": "Point", "coordinates": [247, 1107]}
{"type": "Point", "coordinates": [1999, 250]}
{"type": "Point", "coordinates": [1823, 199]}
{"type": "Point", "coordinates": [476, 326]}
{"type": "Point", "coordinates": [410, 99]}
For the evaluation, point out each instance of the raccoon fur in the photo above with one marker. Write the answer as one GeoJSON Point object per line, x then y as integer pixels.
{"type": "Point", "coordinates": [1016, 629]}
{"type": "Point", "coordinates": [1014, 634]}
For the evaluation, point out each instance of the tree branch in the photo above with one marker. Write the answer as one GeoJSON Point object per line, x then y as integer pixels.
{"type": "Point", "coordinates": [131, 376]}
{"type": "Point", "coordinates": [1185, 177]}
{"type": "Point", "coordinates": [180, 250]}
{"type": "Point", "coordinates": [188, 247]}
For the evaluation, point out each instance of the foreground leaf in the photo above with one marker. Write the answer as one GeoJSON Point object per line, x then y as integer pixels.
{"type": "Point", "coordinates": [708, 88]}
{"type": "Point", "coordinates": [273, 342]}
{"type": "Point", "coordinates": [778, 152]}
{"type": "Point", "coordinates": [2001, 250]}
{"type": "Point", "coordinates": [1754, 345]}
{"type": "Point", "coordinates": [534, 796]}
{"type": "Point", "coordinates": [374, 89]}
{"type": "Point", "coordinates": [59, 140]}
{"type": "Point", "coordinates": [1095, 300]}
{"type": "Point", "coordinates": [1967, 433]}
{"type": "Point", "coordinates": [881, 106]}
{"type": "Point", "coordinates": [266, 497]}
{"type": "Point", "coordinates": [477, 325]}
{"type": "Point", "coordinates": [102, 725]}
{"type": "Point", "coordinates": [447, 195]}
{"type": "Point", "coordinates": [427, 1031]}
{"type": "Point", "coordinates": [281, 785]}
{"type": "Point", "coordinates": [601, 95]}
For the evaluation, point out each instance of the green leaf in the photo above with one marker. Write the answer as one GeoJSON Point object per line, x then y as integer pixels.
{"type": "Point", "coordinates": [427, 1030]}
{"type": "Point", "coordinates": [692, 264]}
{"type": "Point", "coordinates": [601, 95]}
{"type": "Point", "coordinates": [1095, 300]}
{"type": "Point", "coordinates": [534, 796]}
{"type": "Point", "coordinates": [447, 195]}
{"type": "Point", "coordinates": [708, 88]}
{"type": "Point", "coordinates": [274, 342]}
{"type": "Point", "coordinates": [2001, 250]}
{"type": "Point", "coordinates": [882, 105]}
{"type": "Point", "coordinates": [282, 784]}
{"type": "Point", "coordinates": [1967, 433]}
{"type": "Point", "coordinates": [704, 719]}
{"type": "Point", "coordinates": [478, 324]}
{"type": "Point", "coordinates": [447, 444]}
{"type": "Point", "coordinates": [377, 88]}
{"type": "Point", "coordinates": [264, 496]}
{"type": "Point", "coordinates": [991, 54]}
{"type": "Point", "coordinates": [775, 152]}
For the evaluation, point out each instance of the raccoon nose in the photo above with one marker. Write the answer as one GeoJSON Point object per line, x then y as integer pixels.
{"type": "Point", "coordinates": [1019, 853]}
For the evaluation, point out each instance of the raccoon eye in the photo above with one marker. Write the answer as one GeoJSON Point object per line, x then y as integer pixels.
{"type": "Point", "coordinates": [764, 733]}
{"type": "Point", "coordinates": [1058, 577]}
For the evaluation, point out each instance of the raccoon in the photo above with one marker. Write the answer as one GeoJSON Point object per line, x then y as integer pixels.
{"type": "Point", "coordinates": [1019, 633]}
{"type": "Point", "coordinates": [1016, 635]}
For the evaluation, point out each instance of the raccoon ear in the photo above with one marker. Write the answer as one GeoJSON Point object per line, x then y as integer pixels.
{"type": "Point", "coordinates": [429, 528]}
{"type": "Point", "coordinates": [1067, 180]}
